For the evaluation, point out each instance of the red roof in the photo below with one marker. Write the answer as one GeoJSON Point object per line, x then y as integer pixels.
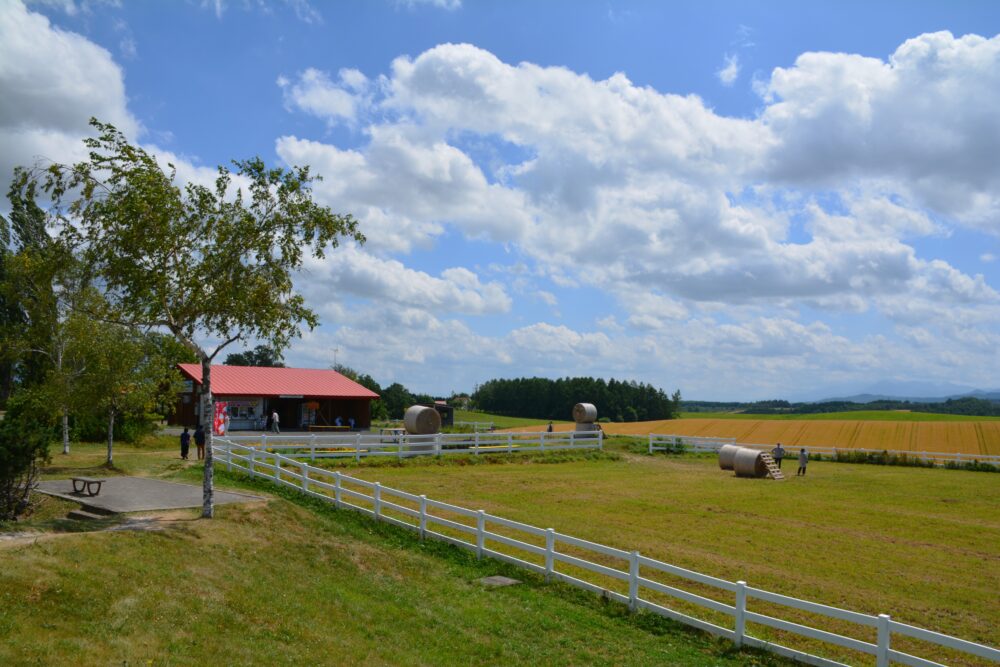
{"type": "Point", "coordinates": [277, 382]}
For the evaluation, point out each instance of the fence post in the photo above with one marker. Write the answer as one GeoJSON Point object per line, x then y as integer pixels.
{"type": "Point", "coordinates": [740, 613]}
{"type": "Point", "coordinates": [263, 440]}
{"type": "Point", "coordinates": [550, 549]}
{"type": "Point", "coordinates": [378, 500]}
{"type": "Point", "coordinates": [650, 443]}
{"type": "Point", "coordinates": [336, 488]}
{"type": "Point", "coordinates": [423, 516]}
{"type": "Point", "coordinates": [253, 458]}
{"type": "Point", "coordinates": [541, 440]}
{"type": "Point", "coordinates": [633, 580]}
{"type": "Point", "coordinates": [882, 651]}
{"type": "Point", "coordinates": [600, 439]}
{"type": "Point", "coordinates": [229, 457]}
{"type": "Point", "coordinates": [277, 469]}
{"type": "Point", "coordinates": [480, 532]}
{"type": "Point", "coordinates": [305, 477]}
{"type": "Point", "coordinates": [357, 447]}
{"type": "Point", "coordinates": [477, 442]}
{"type": "Point", "coordinates": [510, 443]}
{"type": "Point", "coordinates": [312, 448]}
{"type": "Point", "coordinates": [572, 438]}
{"type": "Point", "coordinates": [437, 444]}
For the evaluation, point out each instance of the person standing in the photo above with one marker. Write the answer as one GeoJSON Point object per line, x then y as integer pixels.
{"type": "Point", "coordinates": [199, 441]}
{"type": "Point", "coordinates": [803, 460]}
{"type": "Point", "coordinates": [274, 422]}
{"type": "Point", "coordinates": [549, 429]}
{"type": "Point", "coordinates": [185, 443]}
{"type": "Point", "coordinates": [778, 453]}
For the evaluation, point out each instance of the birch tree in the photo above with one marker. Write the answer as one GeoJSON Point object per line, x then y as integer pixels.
{"type": "Point", "coordinates": [211, 265]}
{"type": "Point", "coordinates": [125, 375]}
{"type": "Point", "coordinates": [43, 331]}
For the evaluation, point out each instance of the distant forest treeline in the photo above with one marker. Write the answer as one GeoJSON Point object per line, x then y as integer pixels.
{"type": "Point", "coordinates": [542, 398]}
{"type": "Point", "coordinates": [971, 406]}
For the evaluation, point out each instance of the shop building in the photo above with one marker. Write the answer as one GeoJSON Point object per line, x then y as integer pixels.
{"type": "Point", "coordinates": [302, 397]}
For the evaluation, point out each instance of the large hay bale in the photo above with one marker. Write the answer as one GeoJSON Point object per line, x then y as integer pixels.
{"type": "Point", "coordinates": [421, 420]}
{"type": "Point", "coordinates": [749, 463]}
{"type": "Point", "coordinates": [584, 413]}
{"type": "Point", "coordinates": [726, 455]}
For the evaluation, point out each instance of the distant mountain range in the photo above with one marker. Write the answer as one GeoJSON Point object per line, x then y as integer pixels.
{"type": "Point", "coordinates": [915, 392]}
{"type": "Point", "coordinates": [868, 398]}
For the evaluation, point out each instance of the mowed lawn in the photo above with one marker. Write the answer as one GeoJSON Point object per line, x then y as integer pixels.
{"type": "Point", "coordinates": [921, 545]}
{"type": "Point", "coordinates": [900, 431]}
{"type": "Point", "coordinates": [500, 421]}
{"type": "Point", "coordinates": [296, 582]}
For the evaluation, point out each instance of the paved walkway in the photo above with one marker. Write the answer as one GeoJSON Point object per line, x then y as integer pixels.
{"type": "Point", "coordinates": [139, 494]}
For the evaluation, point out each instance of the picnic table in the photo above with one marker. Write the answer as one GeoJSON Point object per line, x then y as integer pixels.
{"type": "Point", "coordinates": [91, 485]}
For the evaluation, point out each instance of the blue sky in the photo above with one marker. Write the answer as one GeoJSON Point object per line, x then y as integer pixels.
{"type": "Point", "coordinates": [740, 200]}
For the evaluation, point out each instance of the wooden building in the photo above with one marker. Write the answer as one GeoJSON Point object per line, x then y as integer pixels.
{"type": "Point", "coordinates": [301, 396]}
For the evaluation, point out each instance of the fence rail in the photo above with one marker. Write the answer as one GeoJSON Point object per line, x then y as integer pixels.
{"type": "Point", "coordinates": [544, 550]}
{"type": "Point", "coordinates": [362, 445]}
{"type": "Point", "coordinates": [660, 442]}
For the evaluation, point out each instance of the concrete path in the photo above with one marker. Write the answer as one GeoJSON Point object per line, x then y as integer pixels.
{"type": "Point", "coordinates": [139, 494]}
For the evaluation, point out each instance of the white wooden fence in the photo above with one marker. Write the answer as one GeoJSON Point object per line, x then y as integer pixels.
{"type": "Point", "coordinates": [552, 553]}
{"type": "Point", "coordinates": [659, 442]}
{"type": "Point", "coordinates": [402, 445]}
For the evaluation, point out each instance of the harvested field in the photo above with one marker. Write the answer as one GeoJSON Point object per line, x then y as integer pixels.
{"type": "Point", "coordinates": [968, 437]}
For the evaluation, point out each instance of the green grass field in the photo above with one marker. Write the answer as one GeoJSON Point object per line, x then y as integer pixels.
{"type": "Point", "coordinates": [499, 421]}
{"type": "Point", "coordinates": [922, 545]}
{"type": "Point", "coordinates": [860, 415]}
{"type": "Point", "coordinates": [292, 581]}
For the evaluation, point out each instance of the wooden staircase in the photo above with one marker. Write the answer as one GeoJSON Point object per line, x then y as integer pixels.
{"type": "Point", "coordinates": [773, 471]}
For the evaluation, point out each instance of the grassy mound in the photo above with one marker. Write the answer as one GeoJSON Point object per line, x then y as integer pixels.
{"type": "Point", "coordinates": [293, 581]}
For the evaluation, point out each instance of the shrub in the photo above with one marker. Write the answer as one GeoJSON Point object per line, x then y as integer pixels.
{"type": "Point", "coordinates": [25, 434]}
{"type": "Point", "coordinates": [93, 427]}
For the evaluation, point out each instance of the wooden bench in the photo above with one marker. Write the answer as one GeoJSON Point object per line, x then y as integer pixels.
{"type": "Point", "coordinates": [92, 486]}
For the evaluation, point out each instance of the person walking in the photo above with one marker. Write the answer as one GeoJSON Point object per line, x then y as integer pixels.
{"type": "Point", "coordinates": [185, 443]}
{"type": "Point", "coordinates": [199, 441]}
{"type": "Point", "coordinates": [803, 460]}
{"type": "Point", "coordinates": [274, 422]}
{"type": "Point", "coordinates": [778, 453]}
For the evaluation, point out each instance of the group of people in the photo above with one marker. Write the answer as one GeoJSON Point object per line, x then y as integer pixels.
{"type": "Point", "coordinates": [778, 453]}
{"type": "Point", "coordinates": [199, 441]}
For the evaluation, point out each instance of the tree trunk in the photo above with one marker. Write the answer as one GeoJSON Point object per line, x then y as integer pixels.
{"type": "Point", "coordinates": [207, 421]}
{"type": "Point", "coordinates": [65, 429]}
{"type": "Point", "coordinates": [111, 435]}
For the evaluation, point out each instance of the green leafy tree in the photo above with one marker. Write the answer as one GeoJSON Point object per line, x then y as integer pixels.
{"type": "Point", "coordinates": [378, 407]}
{"type": "Point", "coordinates": [125, 375]}
{"type": "Point", "coordinates": [25, 434]}
{"type": "Point", "coordinates": [204, 263]}
{"type": "Point", "coordinates": [346, 371]}
{"type": "Point", "coordinates": [262, 355]}
{"type": "Point", "coordinates": [397, 399]}
{"type": "Point", "coordinates": [42, 289]}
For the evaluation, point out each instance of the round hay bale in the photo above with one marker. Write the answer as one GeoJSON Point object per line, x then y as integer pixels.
{"type": "Point", "coordinates": [749, 463]}
{"type": "Point", "coordinates": [584, 413]}
{"type": "Point", "coordinates": [421, 420]}
{"type": "Point", "coordinates": [726, 455]}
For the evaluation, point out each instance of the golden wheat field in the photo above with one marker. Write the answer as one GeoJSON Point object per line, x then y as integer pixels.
{"type": "Point", "coordinates": [968, 437]}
